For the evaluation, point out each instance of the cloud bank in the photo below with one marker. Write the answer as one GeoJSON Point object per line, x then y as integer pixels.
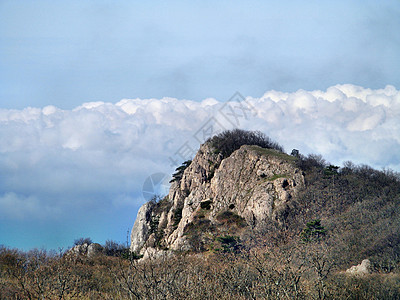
{"type": "Point", "coordinates": [76, 166]}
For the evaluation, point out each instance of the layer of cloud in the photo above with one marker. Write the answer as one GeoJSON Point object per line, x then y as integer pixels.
{"type": "Point", "coordinates": [95, 158]}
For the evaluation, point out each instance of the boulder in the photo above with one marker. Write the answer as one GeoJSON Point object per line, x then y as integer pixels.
{"type": "Point", "coordinates": [89, 250]}
{"type": "Point", "coordinates": [79, 249]}
{"type": "Point", "coordinates": [360, 270]}
{"type": "Point", "coordinates": [94, 249]}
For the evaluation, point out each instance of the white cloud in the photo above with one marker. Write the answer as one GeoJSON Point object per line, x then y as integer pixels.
{"type": "Point", "coordinates": [367, 121]}
{"type": "Point", "coordinates": [99, 154]}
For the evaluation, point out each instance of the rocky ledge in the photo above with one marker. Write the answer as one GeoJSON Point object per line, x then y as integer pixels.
{"type": "Point", "coordinates": [214, 196]}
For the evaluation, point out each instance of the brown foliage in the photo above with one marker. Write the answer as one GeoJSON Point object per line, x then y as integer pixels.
{"type": "Point", "coordinates": [292, 270]}
{"type": "Point", "coordinates": [358, 207]}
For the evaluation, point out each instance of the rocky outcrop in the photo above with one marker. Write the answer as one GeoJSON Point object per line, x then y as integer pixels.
{"type": "Point", "coordinates": [141, 228]}
{"type": "Point", "coordinates": [360, 270]}
{"type": "Point", "coordinates": [217, 194]}
{"type": "Point", "coordinates": [89, 250]}
{"type": "Point", "coordinates": [94, 249]}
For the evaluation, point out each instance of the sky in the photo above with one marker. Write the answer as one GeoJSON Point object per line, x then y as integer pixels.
{"type": "Point", "coordinates": [100, 101]}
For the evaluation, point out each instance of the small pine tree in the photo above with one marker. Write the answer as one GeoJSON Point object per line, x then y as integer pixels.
{"type": "Point", "coordinates": [331, 170]}
{"type": "Point", "coordinates": [179, 171]}
{"type": "Point", "coordinates": [314, 231]}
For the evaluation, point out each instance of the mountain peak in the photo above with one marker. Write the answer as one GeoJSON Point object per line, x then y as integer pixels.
{"type": "Point", "coordinates": [232, 183]}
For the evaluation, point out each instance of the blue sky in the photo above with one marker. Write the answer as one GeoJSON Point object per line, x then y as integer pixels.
{"type": "Point", "coordinates": [151, 73]}
{"type": "Point", "coordinates": [65, 53]}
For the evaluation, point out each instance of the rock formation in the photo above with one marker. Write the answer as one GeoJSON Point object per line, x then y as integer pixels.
{"type": "Point", "coordinates": [216, 195]}
{"type": "Point", "coordinates": [89, 250]}
{"type": "Point", "coordinates": [361, 269]}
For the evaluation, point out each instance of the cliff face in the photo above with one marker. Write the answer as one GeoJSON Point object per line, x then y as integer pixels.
{"type": "Point", "coordinates": [217, 195]}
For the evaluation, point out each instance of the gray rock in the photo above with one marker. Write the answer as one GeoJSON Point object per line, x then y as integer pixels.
{"type": "Point", "coordinates": [89, 250]}
{"type": "Point", "coordinates": [141, 229]}
{"type": "Point", "coordinates": [79, 249]}
{"type": "Point", "coordinates": [94, 249]}
{"type": "Point", "coordinates": [253, 183]}
{"type": "Point", "coordinates": [360, 270]}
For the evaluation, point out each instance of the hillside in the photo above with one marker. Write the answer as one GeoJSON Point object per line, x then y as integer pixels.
{"type": "Point", "coordinates": [243, 220]}
{"type": "Point", "coordinates": [215, 196]}
{"type": "Point", "coordinates": [244, 193]}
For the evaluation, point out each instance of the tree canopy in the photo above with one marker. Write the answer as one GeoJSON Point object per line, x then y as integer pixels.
{"type": "Point", "coordinates": [230, 140]}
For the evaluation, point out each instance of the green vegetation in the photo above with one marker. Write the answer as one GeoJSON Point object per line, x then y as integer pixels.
{"type": "Point", "coordinates": [228, 141]}
{"type": "Point", "coordinates": [202, 233]}
{"type": "Point", "coordinates": [331, 170]}
{"type": "Point", "coordinates": [276, 176]}
{"type": "Point", "coordinates": [154, 222]}
{"type": "Point", "coordinates": [273, 152]}
{"type": "Point", "coordinates": [229, 243]}
{"type": "Point", "coordinates": [179, 171]}
{"type": "Point", "coordinates": [314, 231]}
